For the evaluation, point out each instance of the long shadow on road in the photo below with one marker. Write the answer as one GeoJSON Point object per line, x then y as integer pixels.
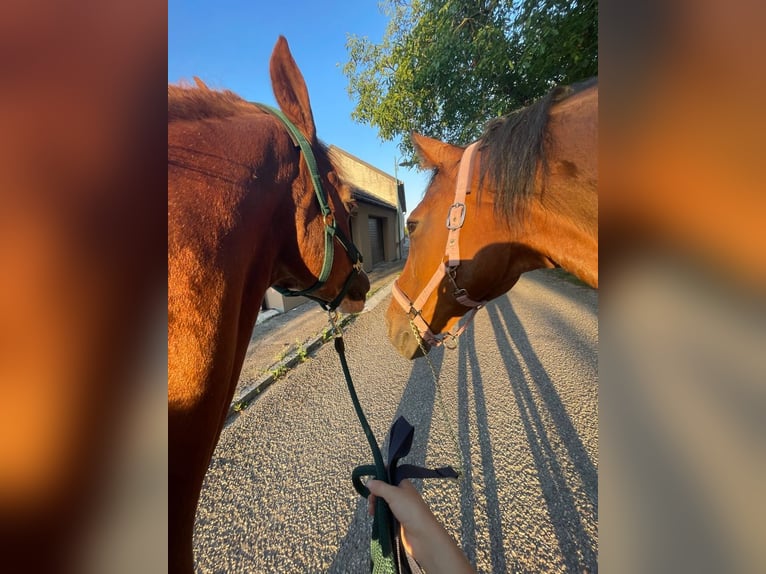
{"type": "Point", "coordinates": [573, 509]}
{"type": "Point", "coordinates": [468, 370]}
{"type": "Point", "coordinates": [577, 546]}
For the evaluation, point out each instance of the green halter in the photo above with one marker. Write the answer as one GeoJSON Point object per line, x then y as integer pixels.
{"type": "Point", "coordinates": [331, 231]}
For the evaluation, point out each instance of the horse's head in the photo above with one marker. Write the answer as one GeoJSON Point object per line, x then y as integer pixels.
{"type": "Point", "coordinates": [329, 265]}
{"type": "Point", "coordinates": [491, 253]}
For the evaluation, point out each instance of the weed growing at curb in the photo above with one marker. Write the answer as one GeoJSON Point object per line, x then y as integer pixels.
{"type": "Point", "coordinates": [240, 406]}
{"type": "Point", "coordinates": [281, 355]}
{"type": "Point", "coordinates": [278, 372]}
{"type": "Point", "coordinates": [302, 353]}
{"type": "Point", "coordinates": [370, 293]}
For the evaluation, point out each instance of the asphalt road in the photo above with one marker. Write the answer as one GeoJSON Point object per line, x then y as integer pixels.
{"type": "Point", "coordinates": [519, 404]}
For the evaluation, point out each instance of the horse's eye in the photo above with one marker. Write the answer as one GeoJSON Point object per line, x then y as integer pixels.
{"type": "Point", "coordinates": [411, 225]}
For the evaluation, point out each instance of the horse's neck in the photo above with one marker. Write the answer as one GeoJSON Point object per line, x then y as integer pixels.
{"type": "Point", "coordinates": [565, 211]}
{"type": "Point", "coordinates": [565, 242]}
{"type": "Point", "coordinates": [563, 225]}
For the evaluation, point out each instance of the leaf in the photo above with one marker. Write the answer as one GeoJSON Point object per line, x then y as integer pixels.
{"type": "Point", "coordinates": [445, 67]}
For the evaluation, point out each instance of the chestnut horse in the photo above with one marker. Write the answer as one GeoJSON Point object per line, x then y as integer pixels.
{"type": "Point", "coordinates": [243, 214]}
{"type": "Point", "coordinates": [532, 203]}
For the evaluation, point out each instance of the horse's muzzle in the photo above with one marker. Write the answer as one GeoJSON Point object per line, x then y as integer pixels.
{"type": "Point", "coordinates": [401, 335]}
{"type": "Point", "coordinates": [356, 295]}
{"type": "Point", "coordinates": [351, 306]}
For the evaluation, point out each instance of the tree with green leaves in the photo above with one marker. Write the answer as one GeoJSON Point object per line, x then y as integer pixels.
{"type": "Point", "coordinates": [445, 67]}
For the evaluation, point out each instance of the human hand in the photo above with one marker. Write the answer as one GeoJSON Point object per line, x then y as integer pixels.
{"type": "Point", "coordinates": [417, 521]}
{"type": "Point", "coordinates": [423, 536]}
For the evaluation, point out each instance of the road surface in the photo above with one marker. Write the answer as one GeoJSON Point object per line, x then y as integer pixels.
{"type": "Point", "coordinates": [517, 401]}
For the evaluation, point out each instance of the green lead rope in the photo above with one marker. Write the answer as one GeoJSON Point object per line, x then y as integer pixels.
{"type": "Point", "coordinates": [381, 549]}
{"type": "Point", "coordinates": [386, 550]}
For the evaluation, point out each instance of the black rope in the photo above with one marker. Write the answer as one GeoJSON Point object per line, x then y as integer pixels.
{"type": "Point", "coordinates": [385, 526]}
{"type": "Point", "coordinates": [382, 512]}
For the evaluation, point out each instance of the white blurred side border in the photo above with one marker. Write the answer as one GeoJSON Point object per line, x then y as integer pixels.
{"type": "Point", "coordinates": [129, 531]}
{"type": "Point", "coordinates": [682, 324]}
{"type": "Point", "coordinates": [681, 427]}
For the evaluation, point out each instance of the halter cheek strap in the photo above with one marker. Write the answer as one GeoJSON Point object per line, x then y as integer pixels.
{"type": "Point", "coordinates": [331, 231]}
{"type": "Point", "coordinates": [448, 267]}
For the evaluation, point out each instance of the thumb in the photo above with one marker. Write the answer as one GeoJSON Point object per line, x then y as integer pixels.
{"type": "Point", "coordinates": [380, 488]}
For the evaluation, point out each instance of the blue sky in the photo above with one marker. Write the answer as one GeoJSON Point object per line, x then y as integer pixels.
{"type": "Point", "coordinates": [228, 44]}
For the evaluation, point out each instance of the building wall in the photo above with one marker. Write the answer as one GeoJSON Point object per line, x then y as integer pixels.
{"type": "Point", "coordinates": [361, 237]}
{"type": "Point", "coordinates": [372, 181]}
{"type": "Point", "coordinates": [364, 176]}
{"type": "Point", "coordinates": [273, 299]}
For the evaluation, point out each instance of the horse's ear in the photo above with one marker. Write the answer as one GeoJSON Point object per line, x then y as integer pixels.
{"type": "Point", "coordinates": [433, 153]}
{"type": "Point", "coordinates": [290, 89]}
{"type": "Point", "coordinates": [200, 84]}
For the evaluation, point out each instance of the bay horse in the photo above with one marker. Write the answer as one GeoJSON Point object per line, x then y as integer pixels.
{"type": "Point", "coordinates": [532, 203]}
{"type": "Point", "coordinates": [244, 213]}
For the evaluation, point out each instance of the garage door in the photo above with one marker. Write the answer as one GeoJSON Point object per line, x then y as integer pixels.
{"type": "Point", "coordinates": [376, 239]}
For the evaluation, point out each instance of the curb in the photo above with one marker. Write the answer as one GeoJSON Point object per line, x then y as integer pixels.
{"type": "Point", "coordinates": [240, 402]}
{"type": "Point", "coordinates": [254, 388]}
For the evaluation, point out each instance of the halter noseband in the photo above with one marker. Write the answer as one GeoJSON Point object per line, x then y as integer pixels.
{"type": "Point", "coordinates": [331, 231]}
{"type": "Point", "coordinates": [447, 268]}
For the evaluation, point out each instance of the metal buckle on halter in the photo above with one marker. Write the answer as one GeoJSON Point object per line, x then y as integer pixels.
{"type": "Point", "coordinates": [451, 275]}
{"type": "Point", "coordinates": [460, 293]}
{"type": "Point", "coordinates": [452, 344]}
{"type": "Point", "coordinates": [450, 226]}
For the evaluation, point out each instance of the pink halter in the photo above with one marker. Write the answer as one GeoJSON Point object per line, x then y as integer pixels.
{"type": "Point", "coordinates": [448, 268]}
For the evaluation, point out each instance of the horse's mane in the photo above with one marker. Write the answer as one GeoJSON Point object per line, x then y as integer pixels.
{"type": "Point", "coordinates": [186, 102]}
{"type": "Point", "coordinates": [513, 145]}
